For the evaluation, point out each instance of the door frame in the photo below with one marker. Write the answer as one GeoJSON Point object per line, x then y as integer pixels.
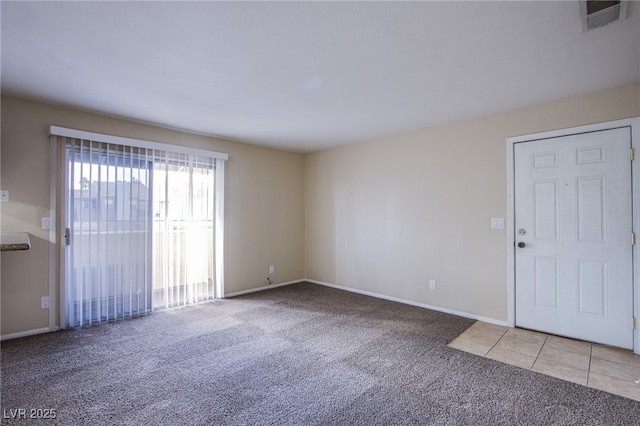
{"type": "Point", "coordinates": [634, 125]}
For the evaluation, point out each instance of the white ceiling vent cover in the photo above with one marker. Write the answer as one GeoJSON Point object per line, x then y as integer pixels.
{"type": "Point", "coordinates": [597, 13]}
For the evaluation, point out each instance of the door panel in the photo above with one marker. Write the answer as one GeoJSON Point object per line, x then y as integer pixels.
{"type": "Point", "coordinates": [573, 214]}
{"type": "Point", "coordinates": [591, 220]}
{"type": "Point", "coordinates": [546, 282]}
{"type": "Point", "coordinates": [545, 213]}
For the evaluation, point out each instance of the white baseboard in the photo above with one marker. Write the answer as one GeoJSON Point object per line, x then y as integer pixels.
{"type": "Point", "coordinates": [266, 287]}
{"type": "Point", "coordinates": [28, 333]}
{"type": "Point", "coordinates": [339, 287]}
{"type": "Point", "coordinates": [412, 303]}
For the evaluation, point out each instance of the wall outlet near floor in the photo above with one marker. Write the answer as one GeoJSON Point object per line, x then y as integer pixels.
{"type": "Point", "coordinates": [46, 223]}
{"type": "Point", "coordinates": [272, 269]}
{"type": "Point", "coordinates": [44, 302]}
{"type": "Point", "coordinates": [432, 284]}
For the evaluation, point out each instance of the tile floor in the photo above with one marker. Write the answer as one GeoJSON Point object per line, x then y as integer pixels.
{"type": "Point", "coordinates": [609, 369]}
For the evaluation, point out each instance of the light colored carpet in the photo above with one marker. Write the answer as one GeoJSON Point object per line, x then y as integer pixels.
{"type": "Point", "coordinates": [294, 355]}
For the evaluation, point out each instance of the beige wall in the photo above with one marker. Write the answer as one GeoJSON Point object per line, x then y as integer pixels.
{"type": "Point", "coordinates": [264, 204]}
{"type": "Point", "coordinates": [388, 215]}
{"type": "Point", "coordinates": [383, 216]}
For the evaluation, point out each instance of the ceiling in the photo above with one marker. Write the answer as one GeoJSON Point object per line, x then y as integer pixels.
{"type": "Point", "coordinates": [306, 76]}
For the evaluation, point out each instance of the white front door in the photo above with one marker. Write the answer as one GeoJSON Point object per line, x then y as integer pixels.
{"type": "Point", "coordinates": [573, 231]}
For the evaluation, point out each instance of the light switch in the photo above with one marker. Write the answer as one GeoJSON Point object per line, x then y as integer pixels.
{"type": "Point", "coordinates": [497, 223]}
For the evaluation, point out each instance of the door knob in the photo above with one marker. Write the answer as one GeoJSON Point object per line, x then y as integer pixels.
{"type": "Point", "coordinates": [521, 244]}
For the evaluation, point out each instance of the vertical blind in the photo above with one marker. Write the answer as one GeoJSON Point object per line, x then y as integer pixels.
{"type": "Point", "coordinates": [143, 226]}
{"type": "Point", "coordinates": [183, 229]}
{"type": "Point", "coordinates": [108, 220]}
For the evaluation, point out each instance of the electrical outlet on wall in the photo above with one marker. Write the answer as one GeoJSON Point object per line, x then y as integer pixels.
{"type": "Point", "coordinates": [44, 302]}
{"type": "Point", "coordinates": [272, 269]}
{"type": "Point", "coordinates": [497, 223]}
{"type": "Point", "coordinates": [432, 284]}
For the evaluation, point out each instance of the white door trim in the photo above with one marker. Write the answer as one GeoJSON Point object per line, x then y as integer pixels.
{"type": "Point", "coordinates": [634, 124]}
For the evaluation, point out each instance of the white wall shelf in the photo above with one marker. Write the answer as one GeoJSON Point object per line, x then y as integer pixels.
{"type": "Point", "coordinates": [14, 241]}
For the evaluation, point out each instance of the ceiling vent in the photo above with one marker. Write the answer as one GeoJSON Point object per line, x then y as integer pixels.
{"type": "Point", "coordinates": [597, 13]}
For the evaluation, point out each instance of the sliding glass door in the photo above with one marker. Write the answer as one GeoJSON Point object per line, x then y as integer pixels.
{"type": "Point", "coordinates": [183, 230]}
{"type": "Point", "coordinates": [141, 230]}
{"type": "Point", "coordinates": [108, 233]}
